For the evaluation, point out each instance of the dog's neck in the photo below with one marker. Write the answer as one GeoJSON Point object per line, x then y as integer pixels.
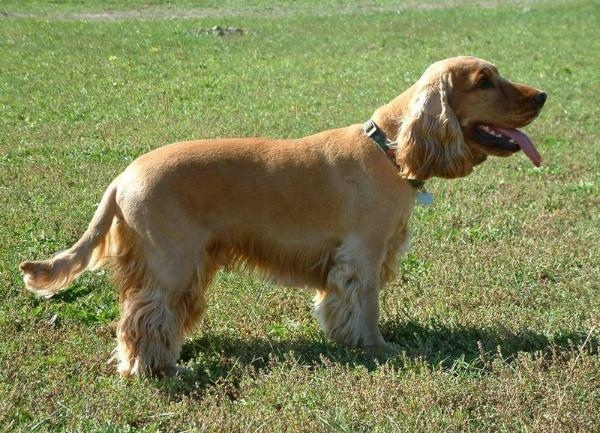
{"type": "Point", "coordinates": [389, 116]}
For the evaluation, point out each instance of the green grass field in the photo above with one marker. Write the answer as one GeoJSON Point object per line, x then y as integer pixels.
{"type": "Point", "coordinates": [497, 305]}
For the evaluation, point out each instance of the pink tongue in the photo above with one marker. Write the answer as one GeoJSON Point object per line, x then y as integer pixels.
{"type": "Point", "coordinates": [523, 141]}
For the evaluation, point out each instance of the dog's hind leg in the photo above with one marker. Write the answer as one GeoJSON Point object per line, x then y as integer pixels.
{"type": "Point", "coordinates": [148, 338]}
{"type": "Point", "coordinates": [154, 323]}
{"type": "Point", "coordinates": [348, 308]}
{"type": "Point", "coordinates": [159, 309]}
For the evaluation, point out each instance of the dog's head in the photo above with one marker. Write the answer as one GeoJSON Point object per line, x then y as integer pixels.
{"type": "Point", "coordinates": [459, 112]}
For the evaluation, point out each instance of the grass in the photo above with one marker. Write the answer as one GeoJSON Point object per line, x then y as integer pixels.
{"type": "Point", "coordinates": [496, 308]}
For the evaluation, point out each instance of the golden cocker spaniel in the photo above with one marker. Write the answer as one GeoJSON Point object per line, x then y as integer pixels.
{"type": "Point", "coordinates": [328, 212]}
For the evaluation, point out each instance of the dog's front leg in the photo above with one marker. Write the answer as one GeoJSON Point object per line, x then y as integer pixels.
{"type": "Point", "coordinates": [348, 309]}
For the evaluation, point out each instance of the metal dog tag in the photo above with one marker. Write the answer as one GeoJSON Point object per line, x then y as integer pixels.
{"type": "Point", "coordinates": [424, 198]}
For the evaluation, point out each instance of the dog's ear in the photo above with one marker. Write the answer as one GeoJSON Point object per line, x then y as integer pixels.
{"type": "Point", "coordinates": [430, 140]}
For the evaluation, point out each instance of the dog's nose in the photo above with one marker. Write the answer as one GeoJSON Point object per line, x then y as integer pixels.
{"type": "Point", "coordinates": [540, 98]}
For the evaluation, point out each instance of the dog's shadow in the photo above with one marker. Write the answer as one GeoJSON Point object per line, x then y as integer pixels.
{"type": "Point", "coordinates": [215, 360]}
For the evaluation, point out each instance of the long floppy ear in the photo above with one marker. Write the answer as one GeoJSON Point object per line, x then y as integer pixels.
{"type": "Point", "coordinates": [430, 140]}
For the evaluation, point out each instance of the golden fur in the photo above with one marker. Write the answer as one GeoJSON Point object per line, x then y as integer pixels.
{"type": "Point", "coordinates": [328, 212]}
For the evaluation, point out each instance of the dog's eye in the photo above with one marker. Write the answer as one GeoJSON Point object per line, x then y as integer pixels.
{"type": "Point", "coordinates": [485, 83]}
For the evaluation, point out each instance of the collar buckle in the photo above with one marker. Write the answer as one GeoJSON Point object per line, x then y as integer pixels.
{"type": "Point", "coordinates": [370, 128]}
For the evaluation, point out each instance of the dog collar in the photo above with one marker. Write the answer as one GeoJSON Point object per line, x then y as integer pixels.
{"type": "Point", "coordinates": [376, 134]}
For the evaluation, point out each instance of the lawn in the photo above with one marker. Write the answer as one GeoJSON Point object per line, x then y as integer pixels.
{"type": "Point", "coordinates": [496, 308]}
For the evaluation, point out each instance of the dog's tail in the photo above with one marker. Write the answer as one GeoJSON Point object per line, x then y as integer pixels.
{"type": "Point", "coordinates": [47, 277]}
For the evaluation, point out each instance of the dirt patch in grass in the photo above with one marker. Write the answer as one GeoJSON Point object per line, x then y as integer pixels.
{"type": "Point", "coordinates": [218, 31]}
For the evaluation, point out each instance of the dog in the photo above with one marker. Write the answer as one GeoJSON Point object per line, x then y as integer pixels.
{"type": "Point", "coordinates": [328, 212]}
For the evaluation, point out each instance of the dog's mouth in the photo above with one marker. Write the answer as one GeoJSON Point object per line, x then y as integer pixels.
{"type": "Point", "coordinates": [507, 139]}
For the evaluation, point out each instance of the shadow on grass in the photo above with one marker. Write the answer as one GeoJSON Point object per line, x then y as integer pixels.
{"type": "Point", "coordinates": [73, 293]}
{"type": "Point", "coordinates": [222, 360]}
